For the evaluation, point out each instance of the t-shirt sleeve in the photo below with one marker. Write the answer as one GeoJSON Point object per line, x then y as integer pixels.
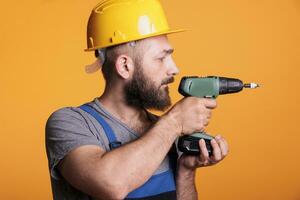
{"type": "Point", "coordinates": [66, 129]}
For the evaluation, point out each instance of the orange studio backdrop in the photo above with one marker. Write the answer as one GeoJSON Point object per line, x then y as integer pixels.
{"type": "Point", "coordinates": [42, 69]}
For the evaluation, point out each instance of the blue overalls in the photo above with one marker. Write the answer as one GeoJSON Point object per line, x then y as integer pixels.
{"type": "Point", "coordinates": [160, 186]}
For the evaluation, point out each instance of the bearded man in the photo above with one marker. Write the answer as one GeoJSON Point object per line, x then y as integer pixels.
{"type": "Point", "coordinates": [113, 147]}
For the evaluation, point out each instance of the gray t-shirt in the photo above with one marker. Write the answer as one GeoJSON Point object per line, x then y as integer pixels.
{"type": "Point", "coordinates": [71, 127]}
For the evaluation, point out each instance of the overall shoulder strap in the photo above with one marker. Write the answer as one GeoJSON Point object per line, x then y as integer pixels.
{"type": "Point", "coordinates": [113, 142]}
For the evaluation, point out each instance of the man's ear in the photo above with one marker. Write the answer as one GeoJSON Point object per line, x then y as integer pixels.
{"type": "Point", "coordinates": [124, 66]}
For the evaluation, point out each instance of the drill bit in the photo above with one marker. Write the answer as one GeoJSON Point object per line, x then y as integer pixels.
{"type": "Point", "coordinates": [251, 85]}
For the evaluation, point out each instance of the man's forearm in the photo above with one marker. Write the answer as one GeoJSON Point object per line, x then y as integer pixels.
{"type": "Point", "coordinates": [185, 184]}
{"type": "Point", "coordinates": [134, 163]}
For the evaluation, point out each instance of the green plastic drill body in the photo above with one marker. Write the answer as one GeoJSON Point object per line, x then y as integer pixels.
{"type": "Point", "coordinates": [207, 87]}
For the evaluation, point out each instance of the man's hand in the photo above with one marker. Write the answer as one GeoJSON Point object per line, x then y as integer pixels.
{"type": "Point", "coordinates": [192, 114]}
{"type": "Point", "coordinates": [220, 150]}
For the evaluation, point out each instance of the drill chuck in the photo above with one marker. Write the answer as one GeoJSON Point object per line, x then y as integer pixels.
{"type": "Point", "coordinates": [230, 85]}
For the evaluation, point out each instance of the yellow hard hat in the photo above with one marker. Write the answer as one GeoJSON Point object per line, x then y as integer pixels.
{"type": "Point", "coordinates": [115, 22]}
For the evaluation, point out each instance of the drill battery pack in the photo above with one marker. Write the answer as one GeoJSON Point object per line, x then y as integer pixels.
{"type": "Point", "coordinates": [189, 144]}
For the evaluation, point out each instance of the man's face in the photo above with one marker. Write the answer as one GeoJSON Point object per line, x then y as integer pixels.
{"type": "Point", "coordinates": [148, 87]}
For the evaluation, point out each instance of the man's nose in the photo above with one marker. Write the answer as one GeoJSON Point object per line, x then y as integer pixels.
{"type": "Point", "coordinates": [173, 69]}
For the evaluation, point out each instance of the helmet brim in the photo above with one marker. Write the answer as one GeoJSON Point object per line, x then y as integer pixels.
{"type": "Point", "coordinates": [167, 32]}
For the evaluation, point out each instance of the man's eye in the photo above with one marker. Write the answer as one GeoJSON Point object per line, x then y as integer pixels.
{"type": "Point", "coordinates": [162, 58]}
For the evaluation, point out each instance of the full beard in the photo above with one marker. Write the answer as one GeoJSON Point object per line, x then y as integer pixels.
{"type": "Point", "coordinates": [143, 93]}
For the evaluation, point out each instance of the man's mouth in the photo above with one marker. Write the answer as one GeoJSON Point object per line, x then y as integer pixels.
{"type": "Point", "coordinates": [167, 81]}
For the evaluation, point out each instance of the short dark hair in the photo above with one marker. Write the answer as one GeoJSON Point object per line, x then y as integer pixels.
{"type": "Point", "coordinates": [107, 67]}
{"type": "Point", "coordinates": [111, 54]}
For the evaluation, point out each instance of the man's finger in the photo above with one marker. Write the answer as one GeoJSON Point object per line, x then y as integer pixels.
{"type": "Point", "coordinates": [222, 144]}
{"type": "Point", "coordinates": [216, 150]}
{"type": "Point", "coordinates": [225, 143]}
{"type": "Point", "coordinates": [210, 103]}
{"type": "Point", "coordinates": [204, 156]}
{"type": "Point", "coordinates": [209, 114]}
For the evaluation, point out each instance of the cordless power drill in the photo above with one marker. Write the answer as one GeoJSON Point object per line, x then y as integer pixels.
{"type": "Point", "coordinates": [206, 87]}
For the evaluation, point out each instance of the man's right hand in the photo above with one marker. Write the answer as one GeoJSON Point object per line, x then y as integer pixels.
{"type": "Point", "coordinates": [192, 114]}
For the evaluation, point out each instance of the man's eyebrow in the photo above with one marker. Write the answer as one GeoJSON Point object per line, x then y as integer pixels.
{"type": "Point", "coordinates": [166, 52]}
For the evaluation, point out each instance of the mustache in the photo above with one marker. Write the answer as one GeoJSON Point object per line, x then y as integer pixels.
{"type": "Point", "coordinates": [168, 80]}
